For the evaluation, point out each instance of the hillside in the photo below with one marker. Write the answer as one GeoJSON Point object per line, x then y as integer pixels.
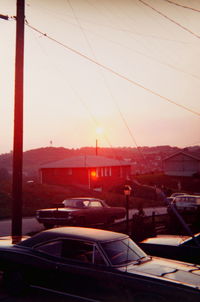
{"type": "Point", "coordinates": [145, 159]}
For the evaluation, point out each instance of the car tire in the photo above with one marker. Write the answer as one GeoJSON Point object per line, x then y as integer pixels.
{"type": "Point", "coordinates": [14, 283]}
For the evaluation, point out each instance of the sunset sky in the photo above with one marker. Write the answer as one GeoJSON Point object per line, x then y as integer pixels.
{"type": "Point", "coordinates": [132, 69]}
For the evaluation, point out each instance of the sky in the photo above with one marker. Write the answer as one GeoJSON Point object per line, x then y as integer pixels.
{"type": "Point", "coordinates": [129, 68]}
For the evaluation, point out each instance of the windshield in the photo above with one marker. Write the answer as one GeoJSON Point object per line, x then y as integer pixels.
{"type": "Point", "coordinates": [123, 251]}
{"type": "Point", "coordinates": [74, 203]}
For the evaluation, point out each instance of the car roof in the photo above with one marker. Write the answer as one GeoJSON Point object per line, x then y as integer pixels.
{"type": "Point", "coordinates": [81, 233]}
{"type": "Point", "coordinates": [82, 198]}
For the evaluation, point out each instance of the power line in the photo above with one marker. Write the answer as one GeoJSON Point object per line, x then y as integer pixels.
{"type": "Point", "coordinates": [168, 18]}
{"type": "Point", "coordinates": [113, 71]}
{"type": "Point", "coordinates": [105, 82]}
{"type": "Point", "coordinates": [184, 6]}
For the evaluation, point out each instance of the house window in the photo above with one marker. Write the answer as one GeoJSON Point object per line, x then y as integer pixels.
{"type": "Point", "coordinates": [106, 171]}
{"type": "Point", "coordinates": [98, 172]}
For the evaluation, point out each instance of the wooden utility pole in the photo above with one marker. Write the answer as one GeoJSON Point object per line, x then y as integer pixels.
{"type": "Point", "coordinates": [18, 123]}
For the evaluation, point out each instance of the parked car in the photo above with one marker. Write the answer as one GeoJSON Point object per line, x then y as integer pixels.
{"type": "Point", "coordinates": [81, 211]}
{"type": "Point", "coordinates": [175, 194]}
{"type": "Point", "coordinates": [183, 248]}
{"type": "Point", "coordinates": [187, 203]}
{"type": "Point", "coordinates": [95, 265]}
{"type": "Point", "coordinates": [169, 200]}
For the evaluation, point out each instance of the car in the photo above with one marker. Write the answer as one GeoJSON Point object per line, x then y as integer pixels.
{"type": "Point", "coordinates": [177, 194]}
{"type": "Point", "coordinates": [95, 265]}
{"type": "Point", "coordinates": [187, 203]}
{"type": "Point", "coordinates": [80, 211]}
{"type": "Point", "coordinates": [183, 248]}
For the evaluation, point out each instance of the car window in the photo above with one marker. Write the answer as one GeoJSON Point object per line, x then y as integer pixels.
{"type": "Point", "coordinates": [98, 258]}
{"type": "Point", "coordinates": [53, 248]}
{"type": "Point", "coordinates": [123, 251]}
{"type": "Point", "coordinates": [95, 203]}
{"type": "Point", "coordinates": [78, 250]}
{"type": "Point", "coordinates": [86, 203]}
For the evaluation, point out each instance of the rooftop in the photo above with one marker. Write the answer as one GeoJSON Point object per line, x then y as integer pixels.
{"type": "Point", "coordinates": [90, 161]}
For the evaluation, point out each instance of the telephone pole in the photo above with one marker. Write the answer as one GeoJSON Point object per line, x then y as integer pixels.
{"type": "Point", "coordinates": [18, 123]}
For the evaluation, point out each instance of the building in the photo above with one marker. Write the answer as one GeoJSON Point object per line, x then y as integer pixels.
{"type": "Point", "coordinates": [88, 171]}
{"type": "Point", "coordinates": [182, 163]}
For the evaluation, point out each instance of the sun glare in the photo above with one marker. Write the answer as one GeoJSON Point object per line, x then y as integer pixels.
{"type": "Point", "coordinates": [99, 130]}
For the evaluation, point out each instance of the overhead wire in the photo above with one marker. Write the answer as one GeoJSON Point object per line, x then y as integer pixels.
{"type": "Point", "coordinates": [134, 50]}
{"type": "Point", "coordinates": [183, 6]}
{"type": "Point", "coordinates": [106, 83]}
{"type": "Point", "coordinates": [85, 37]}
{"type": "Point", "coordinates": [84, 104]}
{"type": "Point", "coordinates": [117, 74]}
{"type": "Point", "coordinates": [146, 55]}
{"type": "Point", "coordinates": [170, 19]}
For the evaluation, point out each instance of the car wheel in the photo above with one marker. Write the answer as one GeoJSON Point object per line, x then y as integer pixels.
{"type": "Point", "coordinates": [14, 283]}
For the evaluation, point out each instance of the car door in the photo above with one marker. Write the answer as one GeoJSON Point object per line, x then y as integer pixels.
{"type": "Point", "coordinates": [83, 271]}
{"type": "Point", "coordinates": [96, 212]}
{"type": "Point", "coordinates": [43, 270]}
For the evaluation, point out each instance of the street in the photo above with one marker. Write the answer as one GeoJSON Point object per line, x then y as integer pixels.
{"type": "Point", "coordinates": [31, 225]}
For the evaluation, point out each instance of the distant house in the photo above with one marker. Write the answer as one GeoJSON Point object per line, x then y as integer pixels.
{"type": "Point", "coordinates": [88, 171]}
{"type": "Point", "coordinates": [182, 163]}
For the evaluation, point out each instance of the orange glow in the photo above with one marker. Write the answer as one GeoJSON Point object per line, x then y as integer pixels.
{"type": "Point", "coordinates": [93, 174]}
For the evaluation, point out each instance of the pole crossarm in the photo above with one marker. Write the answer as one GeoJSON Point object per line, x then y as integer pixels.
{"type": "Point", "coordinates": [4, 17]}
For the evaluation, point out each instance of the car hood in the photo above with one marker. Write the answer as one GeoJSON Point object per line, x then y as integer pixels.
{"type": "Point", "coordinates": [59, 209]}
{"type": "Point", "coordinates": [165, 240]}
{"type": "Point", "coordinates": [184, 273]}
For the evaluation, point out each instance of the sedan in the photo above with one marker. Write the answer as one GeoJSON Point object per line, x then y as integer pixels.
{"type": "Point", "coordinates": [184, 248]}
{"type": "Point", "coordinates": [80, 211]}
{"type": "Point", "coordinates": [95, 265]}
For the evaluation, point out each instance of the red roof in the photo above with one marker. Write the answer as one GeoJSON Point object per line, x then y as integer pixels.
{"type": "Point", "coordinates": [86, 161]}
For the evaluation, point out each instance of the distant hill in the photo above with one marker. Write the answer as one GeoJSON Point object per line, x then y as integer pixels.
{"type": "Point", "coordinates": [33, 159]}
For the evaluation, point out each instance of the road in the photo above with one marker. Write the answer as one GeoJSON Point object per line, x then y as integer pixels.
{"type": "Point", "coordinates": [31, 225]}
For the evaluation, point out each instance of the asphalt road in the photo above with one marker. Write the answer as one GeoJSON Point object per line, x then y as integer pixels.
{"type": "Point", "coordinates": [31, 225]}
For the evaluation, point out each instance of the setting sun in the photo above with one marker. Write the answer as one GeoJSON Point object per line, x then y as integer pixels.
{"type": "Point", "coordinates": [99, 130]}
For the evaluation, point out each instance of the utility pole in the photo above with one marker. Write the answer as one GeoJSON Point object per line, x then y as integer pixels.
{"type": "Point", "coordinates": [18, 123]}
{"type": "Point", "coordinates": [127, 193]}
{"type": "Point", "coordinates": [96, 147]}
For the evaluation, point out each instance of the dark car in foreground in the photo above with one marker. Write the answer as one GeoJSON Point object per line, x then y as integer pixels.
{"type": "Point", "coordinates": [95, 265]}
{"type": "Point", "coordinates": [80, 211]}
{"type": "Point", "coordinates": [183, 248]}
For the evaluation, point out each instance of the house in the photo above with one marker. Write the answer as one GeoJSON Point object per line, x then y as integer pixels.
{"type": "Point", "coordinates": [88, 171]}
{"type": "Point", "coordinates": [182, 163]}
